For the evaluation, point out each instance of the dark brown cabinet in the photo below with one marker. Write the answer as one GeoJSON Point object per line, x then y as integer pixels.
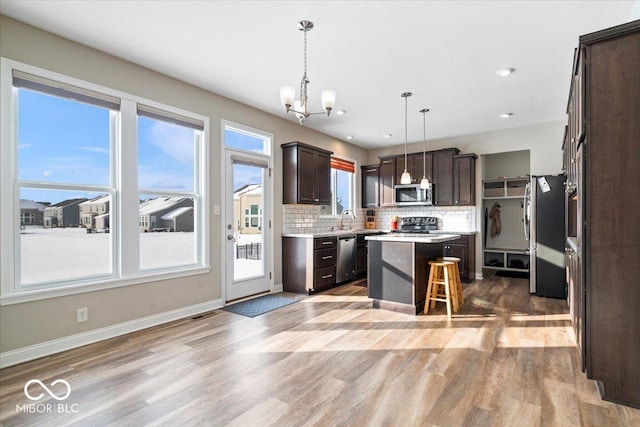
{"type": "Point", "coordinates": [601, 160]}
{"type": "Point", "coordinates": [387, 181]}
{"type": "Point", "coordinates": [414, 166]}
{"type": "Point", "coordinates": [370, 186]}
{"type": "Point", "coordinates": [453, 176]}
{"type": "Point", "coordinates": [443, 176]}
{"type": "Point", "coordinates": [306, 174]}
{"type": "Point", "coordinates": [464, 180]}
{"type": "Point", "coordinates": [309, 264]}
{"type": "Point", "coordinates": [465, 249]}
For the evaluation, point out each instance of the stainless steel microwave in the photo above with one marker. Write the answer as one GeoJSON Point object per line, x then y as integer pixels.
{"type": "Point", "coordinates": [413, 195]}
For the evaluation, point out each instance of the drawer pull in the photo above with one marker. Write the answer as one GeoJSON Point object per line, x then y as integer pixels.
{"type": "Point", "coordinates": [327, 276]}
{"type": "Point", "coordinates": [327, 257]}
{"type": "Point", "coordinates": [328, 243]}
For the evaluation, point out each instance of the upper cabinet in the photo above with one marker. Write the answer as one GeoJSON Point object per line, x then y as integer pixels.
{"type": "Point", "coordinates": [416, 164]}
{"type": "Point", "coordinates": [370, 186]}
{"type": "Point", "coordinates": [387, 181]}
{"type": "Point", "coordinates": [443, 176]}
{"type": "Point", "coordinates": [464, 180]}
{"type": "Point", "coordinates": [306, 174]}
{"type": "Point", "coordinates": [453, 176]}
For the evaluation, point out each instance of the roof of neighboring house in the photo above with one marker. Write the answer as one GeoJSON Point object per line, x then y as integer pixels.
{"type": "Point", "coordinates": [100, 199]}
{"type": "Point", "coordinates": [31, 205]}
{"type": "Point", "coordinates": [68, 202]}
{"type": "Point", "coordinates": [102, 215]}
{"type": "Point", "coordinates": [248, 190]}
{"type": "Point", "coordinates": [176, 212]}
{"type": "Point", "coordinates": [159, 204]}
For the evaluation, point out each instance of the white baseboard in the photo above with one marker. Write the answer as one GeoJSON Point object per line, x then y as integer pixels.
{"type": "Point", "coordinates": [278, 287]}
{"type": "Point", "coordinates": [25, 354]}
{"type": "Point", "coordinates": [479, 276]}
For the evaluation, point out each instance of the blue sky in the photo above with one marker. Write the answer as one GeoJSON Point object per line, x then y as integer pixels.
{"type": "Point", "coordinates": [63, 141]}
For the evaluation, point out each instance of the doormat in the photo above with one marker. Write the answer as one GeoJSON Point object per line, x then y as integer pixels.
{"type": "Point", "coordinates": [261, 305]}
{"type": "Point", "coordinates": [514, 274]}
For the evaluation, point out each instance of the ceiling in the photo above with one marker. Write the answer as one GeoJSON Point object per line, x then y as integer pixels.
{"type": "Point", "coordinates": [369, 52]}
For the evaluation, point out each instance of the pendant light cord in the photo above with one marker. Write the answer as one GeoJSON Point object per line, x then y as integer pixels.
{"type": "Point", "coordinates": [405, 133]}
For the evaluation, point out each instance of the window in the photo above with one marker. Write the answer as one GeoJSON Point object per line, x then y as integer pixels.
{"type": "Point", "coordinates": [342, 186]}
{"type": "Point", "coordinates": [66, 153]}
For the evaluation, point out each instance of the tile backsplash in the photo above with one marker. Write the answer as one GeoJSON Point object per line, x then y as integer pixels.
{"type": "Point", "coordinates": [314, 219]}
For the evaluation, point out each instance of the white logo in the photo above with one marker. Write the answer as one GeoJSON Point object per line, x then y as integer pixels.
{"type": "Point", "coordinates": [47, 389]}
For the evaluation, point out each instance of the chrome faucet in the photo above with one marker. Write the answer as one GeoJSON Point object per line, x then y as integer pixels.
{"type": "Point", "coordinates": [350, 213]}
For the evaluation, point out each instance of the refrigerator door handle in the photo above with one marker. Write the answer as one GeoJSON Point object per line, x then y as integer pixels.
{"type": "Point", "coordinates": [525, 208]}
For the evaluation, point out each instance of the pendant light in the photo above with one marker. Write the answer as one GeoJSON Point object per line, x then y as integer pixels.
{"type": "Point", "coordinates": [424, 183]}
{"type": "Point", "coordinates": [406, 176]}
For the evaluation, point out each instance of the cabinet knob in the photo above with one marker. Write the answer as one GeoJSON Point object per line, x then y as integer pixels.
{"type": "Point", "coordinates": [316, 200]}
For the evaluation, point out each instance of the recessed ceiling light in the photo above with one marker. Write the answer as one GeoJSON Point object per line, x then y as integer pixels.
{"type": "Point", "coordinates": [505, 72]}
{"type": "Point", "coordinates": [341, 112]}
{"type": "Point", "coordinates": [505, 115]}
{"type": "Point", "coordinates": [349, 137]}
{"type": "Point", "coordinates": [387, 135]}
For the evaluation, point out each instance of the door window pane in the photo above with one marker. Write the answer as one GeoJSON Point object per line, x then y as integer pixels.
{"type": "Point", "coordinates": [248, 198]}
{"type": "Point", "coordinates": [236, 138]}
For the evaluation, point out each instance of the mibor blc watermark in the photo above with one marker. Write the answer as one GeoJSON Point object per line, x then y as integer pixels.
{"type": "Point", "coordinates": [36, 393]}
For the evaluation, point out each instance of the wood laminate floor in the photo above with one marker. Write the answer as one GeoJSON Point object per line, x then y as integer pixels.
{"type": "Point", "coordinates": [507, 359]}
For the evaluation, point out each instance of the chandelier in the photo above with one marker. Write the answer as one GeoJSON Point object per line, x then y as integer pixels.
{"type": "Point", "coordinates": [288, 93]}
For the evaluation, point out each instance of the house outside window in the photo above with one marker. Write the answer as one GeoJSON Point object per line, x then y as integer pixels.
{"type": "Point", "coordinates": [342, 186]}
{"type": "Point", "coordinates": [69, 141]}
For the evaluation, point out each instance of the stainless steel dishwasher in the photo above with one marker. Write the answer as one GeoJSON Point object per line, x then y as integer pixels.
{"type": "Point", "coordinates": [346, 262]}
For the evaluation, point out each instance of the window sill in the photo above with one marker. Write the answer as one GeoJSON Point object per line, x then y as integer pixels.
{"type": "Point", "coordinates": [22, 296]}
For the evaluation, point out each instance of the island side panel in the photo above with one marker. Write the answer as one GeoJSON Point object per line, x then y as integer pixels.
{"type": "Point", "coordinates": [390, 275]}
{"type": "Point", "coordinates": [398, 274]}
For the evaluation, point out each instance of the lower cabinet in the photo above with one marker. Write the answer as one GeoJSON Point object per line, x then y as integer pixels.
{"type": "Point", "coordinates": [308, 264]}
{"type": "Point", "coordinates": [465, 249]}
{"type": "Point", "coordinates": [576, 301]}
{"type": "Point", "coordinates": [361, 256]}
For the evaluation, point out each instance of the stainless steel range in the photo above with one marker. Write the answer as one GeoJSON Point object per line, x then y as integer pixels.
{"type": "Point", "coordinates": [417, 224]}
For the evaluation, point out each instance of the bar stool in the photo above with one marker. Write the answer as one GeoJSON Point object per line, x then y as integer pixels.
{"type": "Point", "coordinates": [441, 286]}
{"type": "Point", "coordinates": [458, 282]}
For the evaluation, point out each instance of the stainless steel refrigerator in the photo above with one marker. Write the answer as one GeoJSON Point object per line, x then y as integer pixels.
{"type": "Point", "coordinates": [544, 229]}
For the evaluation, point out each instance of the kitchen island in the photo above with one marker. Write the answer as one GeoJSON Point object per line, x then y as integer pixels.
{"type": "Point", "coordinates": [398, 269]}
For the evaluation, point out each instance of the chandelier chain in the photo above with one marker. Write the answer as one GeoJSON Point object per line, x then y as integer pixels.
{"type": "Point", "coordinates": [303, 83]}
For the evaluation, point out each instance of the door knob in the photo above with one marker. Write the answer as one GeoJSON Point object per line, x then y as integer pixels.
{"type": "Point", "coordinates": [230, 237]}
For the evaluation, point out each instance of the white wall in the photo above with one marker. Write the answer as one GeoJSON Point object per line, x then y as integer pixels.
{"type": "Point", "coordinates": [33, 323]}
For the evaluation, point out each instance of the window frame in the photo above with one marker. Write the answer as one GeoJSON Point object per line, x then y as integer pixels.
{"type": "Point", "coordinates": [124, 198]}
{"type": "Point", "coordinates": [352, 191]}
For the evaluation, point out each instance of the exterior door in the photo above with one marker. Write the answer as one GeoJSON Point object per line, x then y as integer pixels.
{"type": "Point", "coordinates": [247, 231]}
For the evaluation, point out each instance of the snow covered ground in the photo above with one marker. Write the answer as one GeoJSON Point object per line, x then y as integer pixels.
{"type": "Point", "coordinates": [68, 253]}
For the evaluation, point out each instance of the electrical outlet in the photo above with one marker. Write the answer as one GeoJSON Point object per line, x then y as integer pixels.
{"type": "Point", "coordinates": [82, 314]}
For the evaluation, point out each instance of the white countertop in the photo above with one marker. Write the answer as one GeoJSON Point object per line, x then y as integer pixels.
{"type": "Point", "coordinates": [414, 238]}
{"type": "Point", "coordinates": [338, 233]}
